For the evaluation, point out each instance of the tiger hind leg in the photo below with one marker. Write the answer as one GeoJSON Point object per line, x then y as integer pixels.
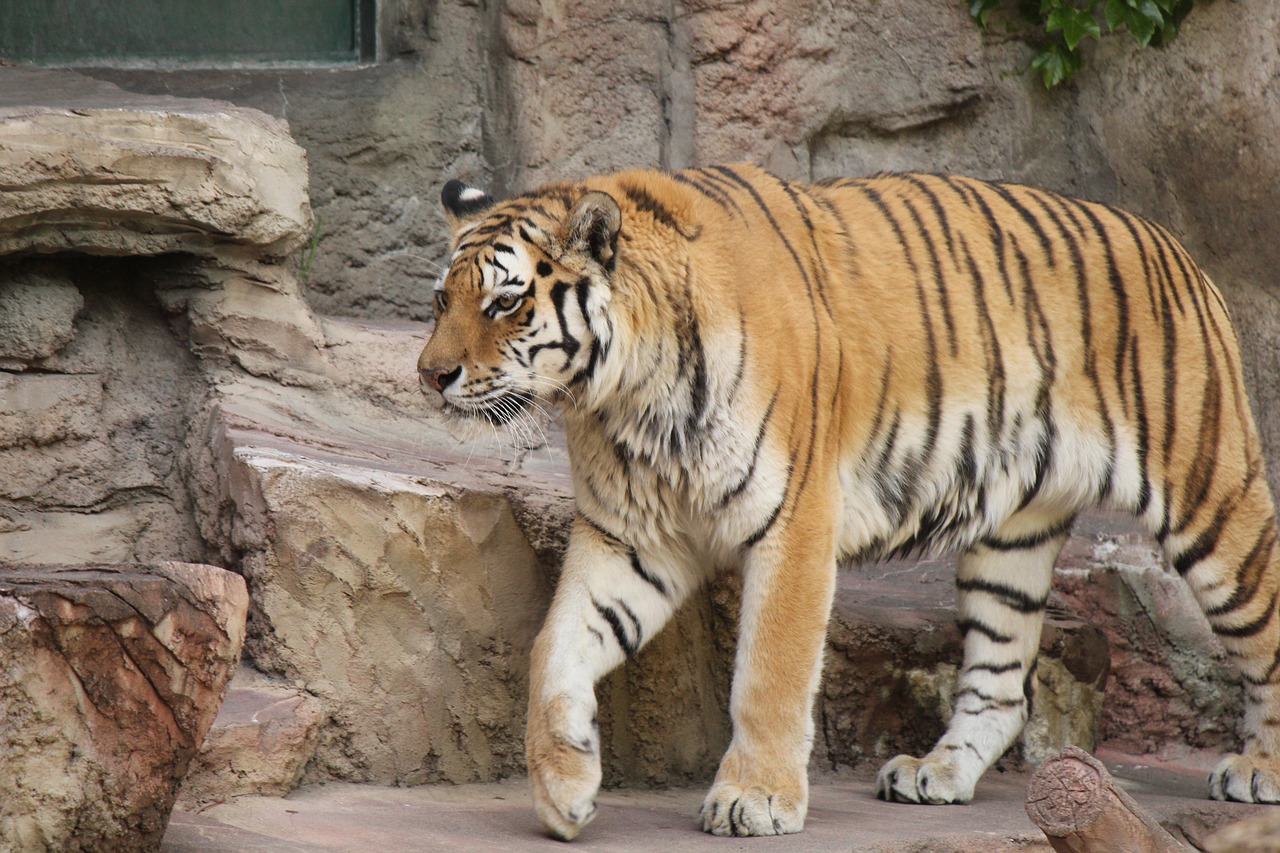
{"type": "Point", "coordinates": [1003, 584]}
{"type": "Point", "coordinates": [1228, 553]}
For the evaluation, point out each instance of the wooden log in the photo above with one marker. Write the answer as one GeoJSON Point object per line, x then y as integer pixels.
{"type": "Point", "coordinates": [1076, 803]}
{"type": "Point", "coordinates": [1259, 834]}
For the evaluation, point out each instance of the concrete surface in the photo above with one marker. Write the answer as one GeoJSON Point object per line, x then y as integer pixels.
{"type": "Point", "coordinates": [843, 816]}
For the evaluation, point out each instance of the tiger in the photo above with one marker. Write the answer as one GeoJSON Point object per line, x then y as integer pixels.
{"type": "Point", "coordinates": [778, 377]}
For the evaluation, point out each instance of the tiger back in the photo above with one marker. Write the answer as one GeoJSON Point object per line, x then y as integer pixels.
{"type": "Point", "coordinates": [777, 377]}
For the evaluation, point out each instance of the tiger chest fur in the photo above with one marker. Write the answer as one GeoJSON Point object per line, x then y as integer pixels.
{"type": "Point", "coordinates": [775, 377]}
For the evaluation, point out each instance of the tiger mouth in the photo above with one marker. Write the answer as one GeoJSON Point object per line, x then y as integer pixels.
{"type": "Point", "coordinates": [499, 410]}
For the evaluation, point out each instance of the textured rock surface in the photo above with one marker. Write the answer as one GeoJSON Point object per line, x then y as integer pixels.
{"type": "Point", "coordinates": [87, 167]}
{"type": "Point", "coordinates": [91, 461]}
{"type": "Point", "coordinates": [96, 392]}
{"type": "Point", "coordinates": [259, 743]}
{"type": "Point", "coordinates": [109, 679]}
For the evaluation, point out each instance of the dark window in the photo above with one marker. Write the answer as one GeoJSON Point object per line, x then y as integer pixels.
{"type": "Point", "coordinates": [186, 32]}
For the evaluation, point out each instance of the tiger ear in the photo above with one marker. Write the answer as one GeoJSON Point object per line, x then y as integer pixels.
{"type": "Point", "coordinates": [592, 226]}
{"type": "Point", "coordinates": [464, 204]}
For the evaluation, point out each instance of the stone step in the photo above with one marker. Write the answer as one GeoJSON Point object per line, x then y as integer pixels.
{"type": "Point", "coordinates": [259, 744]}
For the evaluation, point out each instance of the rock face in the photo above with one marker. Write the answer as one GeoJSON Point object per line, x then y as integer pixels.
{"type": "Point", "coordinates": [112, 676]}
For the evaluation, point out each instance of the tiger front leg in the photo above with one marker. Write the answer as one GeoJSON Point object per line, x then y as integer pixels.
{"type": "Point", "coordinates": [762, 786]}
{"type": "Point", "coordinates": [609, 602]}
{"type": "Point", "coordinates": [1002, 588]}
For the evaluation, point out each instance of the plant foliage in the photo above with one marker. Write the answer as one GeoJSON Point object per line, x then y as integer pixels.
{"type": "Point", "coordinates": [1067, 23]}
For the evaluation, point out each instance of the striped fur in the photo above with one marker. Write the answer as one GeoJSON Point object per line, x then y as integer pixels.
{"type": "Point", "coordinates": [778, 376]}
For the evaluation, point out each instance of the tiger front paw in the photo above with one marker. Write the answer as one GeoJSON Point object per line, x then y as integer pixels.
{"type": "Point", "coordinates": [1246, 779]}
{"type": "Point", "coordinates": [922, 780]}
{"type": "Point", "coordinates": [562, 747]}
{"type": "Point", "coordinates": [746, 803]}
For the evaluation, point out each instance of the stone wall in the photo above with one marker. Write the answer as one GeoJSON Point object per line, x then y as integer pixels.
{"type": "Point", "coordinates": [510, 94]}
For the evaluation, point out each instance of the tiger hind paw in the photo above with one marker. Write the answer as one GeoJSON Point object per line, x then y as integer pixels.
{"type": "Point", "coordinates": [921, 780]}
{"type": "Point", "coordinates": [1246, 779]}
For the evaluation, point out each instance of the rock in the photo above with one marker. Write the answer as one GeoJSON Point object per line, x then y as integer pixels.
{"type": "Point", "coordinates": [90, 168]}
{"type": "Point", "coordinates": [92, 467]}
{"type": "Point", "coordinates": [37, 318]}
{"type": "Point", "coordinates": [893, 655]}
{"type": "Point", "coordinates": [409, 607]}
{"type": "Point", "coordinates": [1258, 834]}
{"type": "Point", "coordinates": [259, 743]}
{"type": "Point", "coordinates": [110, 676]}
{"type": "Point", "coordinates": [1172, 687]}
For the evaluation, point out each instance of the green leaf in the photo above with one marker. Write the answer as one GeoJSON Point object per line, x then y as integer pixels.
{"type": "Point", "coordinates": [1142, 23]}
{"type": "Point", "coordinates": [1055, 65]}
{"type": "Point", "coordinates": [1081, 24]}
{"type": "Point", "coordinates": [1058, 18]}
{"type": "Point", "coordinates": [1117, 14]}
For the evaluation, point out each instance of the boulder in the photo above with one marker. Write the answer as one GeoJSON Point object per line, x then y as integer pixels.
{"type": "Point", "coordinates": [110, 676]}
{"type": "Point", "coordinates": [259, 744]}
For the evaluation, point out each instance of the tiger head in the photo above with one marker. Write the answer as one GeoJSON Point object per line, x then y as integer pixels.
{"type": "Point", "coordinates": [522, 307]}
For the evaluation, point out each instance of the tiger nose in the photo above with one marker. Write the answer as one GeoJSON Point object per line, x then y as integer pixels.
{"type": "Point", "coordinates": [439, 378]}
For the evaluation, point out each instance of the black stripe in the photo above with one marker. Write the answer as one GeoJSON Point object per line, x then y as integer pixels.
{"type": "Point", "coordinates": [996, 230]}
{"type": "Point", "coordinates": [1120, 293]}
{"type": "Point", "coordinates": [1168, 361]}
{"type": "Point", "coordinates": [1046, 245]}
{"type": "Point", "coordinates": [818, 265]}
{"type": "Point", "coordinates": [1014, 599]}
{"type": "Point", "coordinates": [996, 383]}
{"type": "Point", "coordinates": [741, 485]}
{"type": "Point", "coordinates": [608, 614]}
{"type": "Point", "coordinates": [641, 198]}
{"type": "Point", "coordinates": [1249, 629]}
{"type": "Point", "coordinates": [710, 190]}
{"type": "Point", "coordinates": [933, 382]}
{"type": "Point", "coordinates": [1144, 429]}
{"type": "Point", "coordinates": [598, 528]}
{"type": "Point", "coordinates": [1086, 331]}
{"type": "Point", "coordinates": [1259, 555]}
{"type": "Point", "coordinates": [994, 668]}
{"type": "Point", "coordinates": [698, 381]}
{"type": "Point", "coordinates": [970, 624]}
{"type": "Point", "coordinates": [991, 701]}
{"type": "Point", "coordinates": [754, 538]}
{"type": "Point", "coordinates": [1029, 685]}
{"type": "Point", "coordinates": [768, 214]}
{"type": "Point", "coordinates": [809, 289]}
{"type": "Point", "coordinates": [645, 575]}
{"type": "Point", "coordinates": [939, 211]}
{"type": "Point", "coordinates": [939, 279]}
{"type": "Point", "coordinates": [1031, 540]}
